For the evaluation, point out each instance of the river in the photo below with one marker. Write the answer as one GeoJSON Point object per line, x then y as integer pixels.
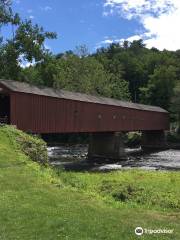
{"type": "Point", "coordinates": [74, 158]}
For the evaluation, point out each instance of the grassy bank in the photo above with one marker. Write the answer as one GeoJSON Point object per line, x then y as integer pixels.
{"type": "Point", "coordinates": [37, 203]}
{"type": "Point", "coordinates": [132, 188]}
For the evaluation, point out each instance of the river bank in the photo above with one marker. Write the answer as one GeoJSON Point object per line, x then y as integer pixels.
{"type": "Point", "coordinates": [38, 202]}
{"type": "Point", "coordinates": [74, 157]}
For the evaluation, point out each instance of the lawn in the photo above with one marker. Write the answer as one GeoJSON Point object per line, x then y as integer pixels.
{"type": "Point", "coordinates": [38, 203]}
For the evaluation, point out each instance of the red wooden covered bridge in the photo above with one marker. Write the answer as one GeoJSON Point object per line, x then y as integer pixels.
{"type": "Point", "coordinates": [47, 110]}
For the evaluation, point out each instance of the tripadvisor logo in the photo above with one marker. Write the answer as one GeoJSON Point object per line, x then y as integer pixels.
{"type": "Point", "coordinates": [139, 231]}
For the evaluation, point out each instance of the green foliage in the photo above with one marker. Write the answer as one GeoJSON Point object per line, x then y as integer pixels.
{"type": "Point", "coordinates": [90, 76]}
{"type": "Point", "coordinates": [6, 15]}
{"type": "Point", "coordinates": [33, 146]}
{"type": "Point", "coordinates": [80, 74]}
{"type": "Point", "coordinates": [154, 190]}
{"type": "Point", "coordinates": [151, 74]}
{"type": "Point", "coordinates": [10, 67]}
{"type": "Point", "coordinates": [133, 139]}
{"type": "Point", "coordinates": [126, 59]}
{"type": "Point", "coordinates": [159, 90]}
{"type": "Point", "coordinates": [175, 106]}
{"type": "Point", "coordinates": [25, 44]}
{"type": "Point", "coordinates": [176, 98]}
{"type": "Point", "coordinates": [29, 40]}
{"type": "Point", "coordinates": [123, 192]}
{"type": "Point", "coordinates": [173, 137]}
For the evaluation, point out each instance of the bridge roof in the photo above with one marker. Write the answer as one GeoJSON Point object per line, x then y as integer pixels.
{"type": "Point", "coordinates": [22, 87]}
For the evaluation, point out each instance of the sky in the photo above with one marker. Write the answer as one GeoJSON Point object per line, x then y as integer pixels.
{"type": "Point", "coordinates": [97, 23]}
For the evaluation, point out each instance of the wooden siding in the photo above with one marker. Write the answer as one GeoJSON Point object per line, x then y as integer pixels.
{"type": "Point", "coordinates": [43, 114]}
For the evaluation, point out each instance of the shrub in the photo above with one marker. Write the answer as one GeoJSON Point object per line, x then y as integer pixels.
{"type": "Point", "coordinates": [133, 139]}
{"type": "Point", "coordinates": [32, 145]}
{"type": "Point", "coordinates": [173, 137]}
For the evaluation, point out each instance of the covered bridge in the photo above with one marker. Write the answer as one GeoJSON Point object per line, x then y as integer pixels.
{"type": "Point", "coordinates": [47, 110]}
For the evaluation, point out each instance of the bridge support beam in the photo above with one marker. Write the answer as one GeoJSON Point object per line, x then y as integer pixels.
{"type": "Point", "coordinates": [154, 140]}
{"type": "Point", "coordinates": [106, 145]}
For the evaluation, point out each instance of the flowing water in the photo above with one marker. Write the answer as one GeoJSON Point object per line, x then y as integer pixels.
{"type": "Point", "coordinates": [74, 158]}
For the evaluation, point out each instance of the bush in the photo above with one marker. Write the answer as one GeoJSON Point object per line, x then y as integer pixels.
{"type": "Point", "coordinates": [173, 137]}
{"type": "Point", "coordinates": [133, 139]}
{"type": "Point", "coordinates": [32, 145]}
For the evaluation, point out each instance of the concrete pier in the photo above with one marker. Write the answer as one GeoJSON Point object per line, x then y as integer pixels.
{"type": "Point", "coordinates": [107, 146]}
{"type": "Point", "coordinates": [154, 140]}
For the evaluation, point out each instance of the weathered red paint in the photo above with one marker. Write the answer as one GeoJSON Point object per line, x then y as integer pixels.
{"type": "Point", "coordinates": [42, 114]}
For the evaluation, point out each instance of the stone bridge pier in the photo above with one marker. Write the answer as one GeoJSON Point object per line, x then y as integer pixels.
{"type": "Point", "coordinates": [154, 140]}
{"type": "Point", "coordinates": [109, 145]}
{"type": "Point", "coordinates": [106, 145]}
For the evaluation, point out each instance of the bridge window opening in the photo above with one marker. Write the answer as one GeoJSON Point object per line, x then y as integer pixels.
{"type": "Point", "coordinates": [4, 109]}
{"type": "Point", "coordinates": [99, 116]}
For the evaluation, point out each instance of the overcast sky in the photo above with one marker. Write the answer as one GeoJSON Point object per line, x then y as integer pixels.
{"type": "Point", "coordinates": [97, 23]}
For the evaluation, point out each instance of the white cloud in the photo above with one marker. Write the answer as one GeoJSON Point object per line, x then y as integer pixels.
{"type": "Point", "coordinates": [158, 17]}
{"type": "Point", "coordinates": [133, 38]}
{"type": "Point", "coordinates": [46, 8]}
{"type": "Point", "coordinates": [31, 17]}
{"type": "Point", "coordinates": [109, 12]}
{"type": "Point", "coordinates": [108, 40]}
{"type": "Point", "coordinates": [24, 63]}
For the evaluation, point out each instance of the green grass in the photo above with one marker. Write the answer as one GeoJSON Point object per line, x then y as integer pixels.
{"type": "Point", "coordinates": [136, 188]}
{"type": "Point", "coordinates": [38, 204]}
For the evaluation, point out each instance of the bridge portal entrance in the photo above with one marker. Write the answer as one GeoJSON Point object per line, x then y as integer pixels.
{"type": "Point", "coordinates": [4, 108]}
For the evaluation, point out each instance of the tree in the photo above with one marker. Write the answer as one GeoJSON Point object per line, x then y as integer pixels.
{"type": "Point", "coordinates": [43, 73]}
{"type": "Point", "coordinates": [134, 73]}
{"type": "Point", "coordinates": [9, 67]}
{"type": "Point", "coordinates": [29, 40]}
{"type": "Point", "coordinates": [5, 12]}
{"type": "Point", "coordinates": [137, 46]}
{"type": "Point", "coordinates": [82, 75]}
{"type": "Point", "coordinates": [159, 89]}
{"type": "Point", "coordinates": [81, 51]}
{"type": "Point", "coordinates": [176, 103]}
{"type": "Point", "coordinates": [119, 87]}
{"type": "Point", "coordinates": [27, 45]}
{"type": "Point", "coordinates": [7, 16]}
